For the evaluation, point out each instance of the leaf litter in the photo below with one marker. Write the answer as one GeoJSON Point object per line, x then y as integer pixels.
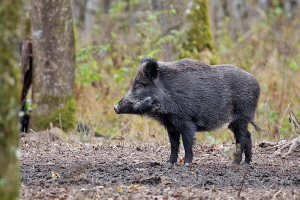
{"type": "Point", "coordinates": [101, 170]}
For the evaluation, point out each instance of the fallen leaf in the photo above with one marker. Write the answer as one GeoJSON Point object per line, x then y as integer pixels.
{"type": "Point", "coordinates": [55, 175]}
{"type": "Point", "coordinates": [210, 150]}
{"type": "Point", "coordinates": [189, 190]}
{"type": "Point", "coordinates": [181, 161]}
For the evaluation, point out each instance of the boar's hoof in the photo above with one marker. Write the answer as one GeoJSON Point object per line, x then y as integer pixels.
{"type": "Point", "coordinates": [246, 165]}
{"type": "Point", "coordinates": [236, 162]}
{"type": "Point", "coordinates": [186, 164]}
{"type": "Point", "coordinates": [168, 165]}
{"type": "Point", "coordinates": [234, 166]}
{"type": "Point", "coordinates": [116, 109]}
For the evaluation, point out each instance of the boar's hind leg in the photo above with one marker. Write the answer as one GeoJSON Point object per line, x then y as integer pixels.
{"type": "Point", "coordinates": [243, 141]}
{"type": "Point", "coordinates": [174, 137]}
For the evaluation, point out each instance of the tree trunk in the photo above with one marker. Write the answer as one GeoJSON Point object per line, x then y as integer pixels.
{"type": "Point", "coordinates": [25, 19]}
{"type": "Point", "coordinates": [106, 5]}
{"type": "Point", "coordinates": [54, 64]}
{"type": "Point", "coordinates": [9, 101]}
{"type": "Point", "coordinates": [238, 13]}
{"type": "Point", "coordinates": [90, 14]}
{"type": "Point", "coordinates": [199, 44]}
{"type": "Point", "coordinates": [291, 8]}
{"type": "Point", "coordinates": [243, 14]}
{"type": "Point", "coordinates": [78, 7]}
{"type": "Point", "coordinates": [169, 22]}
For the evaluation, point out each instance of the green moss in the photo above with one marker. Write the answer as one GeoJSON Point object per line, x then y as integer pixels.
{"type": "Point", "coordinates": [62, 113]}
{"type": "Point", "coordinates": [9, 100]}
{"type": "Point", "coordinates": [214, 60]}
{"type": "Point", "coordinates": [60, 28]}
{"type": "Point", "coordinates": [199, 37]}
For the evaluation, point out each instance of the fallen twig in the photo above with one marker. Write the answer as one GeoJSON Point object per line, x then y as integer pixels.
{"type": "Point", "coordinates": [242, 182]}
{"type": "Point", "coordinates": [274, 197]}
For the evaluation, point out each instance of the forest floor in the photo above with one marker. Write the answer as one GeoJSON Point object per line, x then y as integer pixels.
{"type": "Point", "coordinates": [103, 170]}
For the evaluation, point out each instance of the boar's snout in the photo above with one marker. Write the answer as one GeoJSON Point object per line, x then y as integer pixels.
{"type": "Point", "coordinates": [116, 109]}
{"type": "Point", "coordinates": [126, 106]}
{"type": "Point", "coordinates": [123, 107]}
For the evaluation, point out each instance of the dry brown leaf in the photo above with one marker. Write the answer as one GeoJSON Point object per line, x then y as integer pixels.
{"type": "Point", "coordinates": [181, 161]}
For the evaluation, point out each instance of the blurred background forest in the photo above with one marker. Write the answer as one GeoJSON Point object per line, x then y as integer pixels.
{"type": "Point", "coordinates": [112, 36]}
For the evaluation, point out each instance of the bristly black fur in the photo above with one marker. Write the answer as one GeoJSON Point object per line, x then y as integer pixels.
{"type": "Point", "coordinates": [150, 68]}
{"type": "Point", "coordinates": [187, 96]}
{"type": "Point", "coordinates": [149, 60]}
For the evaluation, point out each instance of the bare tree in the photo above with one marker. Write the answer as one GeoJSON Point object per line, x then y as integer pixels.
{"type": "Point", "coordinates": [170, 21]}
{"type": "Point", "coordinates": [9, 101]}
{"type": "Point", "coordinates": [90, 14]}
{"type": "Point", "coordinates": [106, 5]}
{"type": "Point", "coordinates": [54, 64]}
{"type": "Point", "coordinates": [242, 14]}
{"type": "Point", "coordinates": [78, 7]}
{"type": "Point", "coordinates": [237, 11]}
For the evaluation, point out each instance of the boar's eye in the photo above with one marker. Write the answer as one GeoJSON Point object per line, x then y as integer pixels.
{"type": "Point", "coordinates": [139, 86]}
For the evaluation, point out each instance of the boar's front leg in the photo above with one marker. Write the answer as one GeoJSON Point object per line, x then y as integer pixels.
{"type": "Point", "coordinates": [187, 133]}
{"type": "Point", "coordinates": [174, 137]}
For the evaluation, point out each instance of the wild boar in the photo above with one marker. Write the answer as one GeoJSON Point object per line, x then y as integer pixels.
{"type": "Point", "coordinates": [187, 96]}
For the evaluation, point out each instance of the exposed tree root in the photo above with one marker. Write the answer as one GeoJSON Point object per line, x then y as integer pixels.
{"type": "Point", "coordinates": [293, 145]}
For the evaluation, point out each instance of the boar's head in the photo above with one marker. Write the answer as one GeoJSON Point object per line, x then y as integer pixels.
{"type": "Point", "coordinates": [141, 97]}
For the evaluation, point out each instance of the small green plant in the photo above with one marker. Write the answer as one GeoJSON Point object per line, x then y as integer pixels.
{"type": "Point", "coordinates": [2, 181]}
{"type": "Point", "coordinates": [87, 68]}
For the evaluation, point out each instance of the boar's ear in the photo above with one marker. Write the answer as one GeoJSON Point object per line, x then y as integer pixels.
{"type": "Point", "coordinates": [150, 67]}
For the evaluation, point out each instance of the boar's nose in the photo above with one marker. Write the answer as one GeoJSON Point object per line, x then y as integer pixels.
{"type": "Point", "coordinates": [116, 109]}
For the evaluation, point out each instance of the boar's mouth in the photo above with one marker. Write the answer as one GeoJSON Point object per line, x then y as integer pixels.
{"type": "Point", "coordinates": [137, 107]}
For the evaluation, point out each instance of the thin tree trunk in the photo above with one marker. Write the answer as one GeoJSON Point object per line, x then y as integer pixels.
{"type": "Point", "coordinates": [106, 5]}
{"type": "Point", "coordinates": [78, 7]}
{"type": "Point", "coordinates": [291, 7]}
{"type": "Point", "coordinates": [90, 14]}
{"type": "Point", "coordinates": [9, 101]}
{"type": "Point", "coordinates": [238, 11]}
{"type": "Point", "coordinates": [169, 22]}
{"type": "Point", "coordinates": [25, 19]}
{"type": "Point", "coordinates": [26, 67]}
{"type": "Point", "coordinates": [54, 64]}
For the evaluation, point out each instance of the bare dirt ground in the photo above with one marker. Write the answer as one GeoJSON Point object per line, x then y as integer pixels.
{"type": "Point", "coordinates": [102, 170]}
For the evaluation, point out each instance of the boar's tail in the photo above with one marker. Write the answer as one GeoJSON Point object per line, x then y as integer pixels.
{"type": "Point", "coordinates": [259, 130]}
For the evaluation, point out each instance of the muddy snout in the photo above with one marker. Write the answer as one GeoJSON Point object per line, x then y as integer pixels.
{"type": "Point", "coordinates": [116, 109]}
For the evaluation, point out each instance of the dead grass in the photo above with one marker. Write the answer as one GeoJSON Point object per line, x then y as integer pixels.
{"type": "Point", "coordinates": [269, 51]}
